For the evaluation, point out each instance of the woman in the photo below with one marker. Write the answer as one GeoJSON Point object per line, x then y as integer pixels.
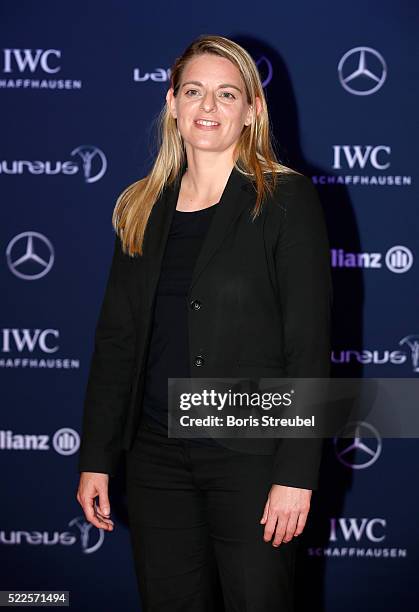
{"type": "Point", "coordinates": [220, 268]}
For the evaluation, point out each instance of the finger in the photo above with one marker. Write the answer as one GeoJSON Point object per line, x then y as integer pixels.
{"type": "Point", "coordinates": [103, 509]}
{"type": "Point", "coordinates": [302, 519]}
{"type": "Point", "coordinates": [104, 506]}
{"type": "Point", "coordinates": [291, 527]}
{"type": "Point", "coordinates": [283, 517]}
{"type": "Point", "coordinates": [89, 507]}
{"type": "Point", "coordinates": [265, 512]}
{"type": "Point", "coordinates": [102, 519]}
{"type": "Point", "coordinates": [89, 513]}
{"type": "Point", "coordinates": [269, 526]}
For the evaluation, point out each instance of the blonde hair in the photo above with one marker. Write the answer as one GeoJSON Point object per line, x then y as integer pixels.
{"type": "Point", "coordinates": [254, 153]}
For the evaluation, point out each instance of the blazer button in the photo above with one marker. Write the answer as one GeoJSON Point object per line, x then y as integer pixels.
{"type": "Point", "coordinates": [196, 304]}
{"type": "Point", "coordinates": [199, 360]}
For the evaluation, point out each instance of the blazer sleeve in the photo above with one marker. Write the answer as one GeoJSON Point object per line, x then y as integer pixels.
{"type": "Point", "coordinates": [110, 376]}
{"type": "Point", "coordinates": [302, 262]}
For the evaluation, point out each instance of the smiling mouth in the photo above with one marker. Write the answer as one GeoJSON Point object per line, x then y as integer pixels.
{"type": "Point", "coordinates": [207, 123]}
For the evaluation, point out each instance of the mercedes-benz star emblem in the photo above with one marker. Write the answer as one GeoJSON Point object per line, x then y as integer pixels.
{"type": "Point", "coordinates": [30, 255]}
{"type": "Point", "coordinates": [360, 447]}
{"type": "Point", "coordinates": [362, 71]}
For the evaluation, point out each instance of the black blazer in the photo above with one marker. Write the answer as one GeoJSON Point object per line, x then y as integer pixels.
{"type": "Point", "coordinates": [259, 305]}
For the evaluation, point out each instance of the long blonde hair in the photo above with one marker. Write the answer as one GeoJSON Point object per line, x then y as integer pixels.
{"type": "Point", "coordinates": [254, 153]}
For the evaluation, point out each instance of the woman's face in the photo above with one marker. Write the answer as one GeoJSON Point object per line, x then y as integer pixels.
{"type": "Point", "coordinates": [211, 90]}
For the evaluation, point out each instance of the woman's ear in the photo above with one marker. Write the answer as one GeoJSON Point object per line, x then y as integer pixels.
{"type": "Point", "coordinates": [170, 99]}
{"type": "Point", "coordinates": [250, 115]}
{"type": "Point", "coordinates": [258, 105]}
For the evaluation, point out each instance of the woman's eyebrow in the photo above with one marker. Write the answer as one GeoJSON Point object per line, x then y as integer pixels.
{"type": "Point", "coordinates": [223, 85]}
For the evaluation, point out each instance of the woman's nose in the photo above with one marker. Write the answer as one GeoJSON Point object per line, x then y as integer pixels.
{"type": "Point", "coordinates": [208, 103]}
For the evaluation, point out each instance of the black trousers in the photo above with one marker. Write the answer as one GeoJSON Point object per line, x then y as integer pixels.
{"type": "Point", "coordinates": [194, 517]}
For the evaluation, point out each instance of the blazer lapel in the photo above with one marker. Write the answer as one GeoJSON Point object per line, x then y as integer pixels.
{"type": "Point", "coordinates": [237, 195]}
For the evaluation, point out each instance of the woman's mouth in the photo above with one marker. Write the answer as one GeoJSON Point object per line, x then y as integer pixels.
{"type": "Point", "coordinates": [205, 124]}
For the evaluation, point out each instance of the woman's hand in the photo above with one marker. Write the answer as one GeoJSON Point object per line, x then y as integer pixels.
{"type": "Point", "coordinates": [91, 485]}
{"type": "Point", "coordinates": [285, 513]}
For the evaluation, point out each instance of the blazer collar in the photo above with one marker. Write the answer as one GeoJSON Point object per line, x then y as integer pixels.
{"type": "Point", "coordinates": [238, 195]}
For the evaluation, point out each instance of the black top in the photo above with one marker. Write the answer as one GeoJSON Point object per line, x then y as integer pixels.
{"type": "Point", "coordinates": [168, 354]}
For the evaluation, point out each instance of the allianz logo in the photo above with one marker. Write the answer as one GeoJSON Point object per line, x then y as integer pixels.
{"type": "Point", "coordinates": [397, 259]}
{"type": "Point", "coordinates": [65, 441]}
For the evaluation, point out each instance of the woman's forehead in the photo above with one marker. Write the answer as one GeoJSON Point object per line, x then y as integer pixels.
{"type": "Point", "coordinates": [211, 67]}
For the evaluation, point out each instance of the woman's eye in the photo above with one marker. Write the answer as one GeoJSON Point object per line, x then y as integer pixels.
{"type": "Point", "coordinates": [191, 93]}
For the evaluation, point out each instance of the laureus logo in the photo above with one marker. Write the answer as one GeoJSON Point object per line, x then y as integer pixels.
{"type": "Point", "coordinates": [265, 70]}
{"type": "Point", "coordinates": [90, 162]}
{"type": "Point", "coordinates": [81, 531]}
{"type": "Point", "coordinates": [412, 342]}
{"type": "Point", "coordinates": [89, 544]}
{"type": "Point", "coordinates": [93, 162]}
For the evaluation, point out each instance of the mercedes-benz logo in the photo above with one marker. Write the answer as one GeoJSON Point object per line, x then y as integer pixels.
{"type": "Point", "coordinates": [362, 71]}
{"type": "Point", "coordinates": [358, 445]}
{"type": "Point", "coordinates": [30, 255]}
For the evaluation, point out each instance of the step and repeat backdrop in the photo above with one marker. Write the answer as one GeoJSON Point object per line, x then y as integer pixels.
{"type": "Point", "coordinates": [81, 84]}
